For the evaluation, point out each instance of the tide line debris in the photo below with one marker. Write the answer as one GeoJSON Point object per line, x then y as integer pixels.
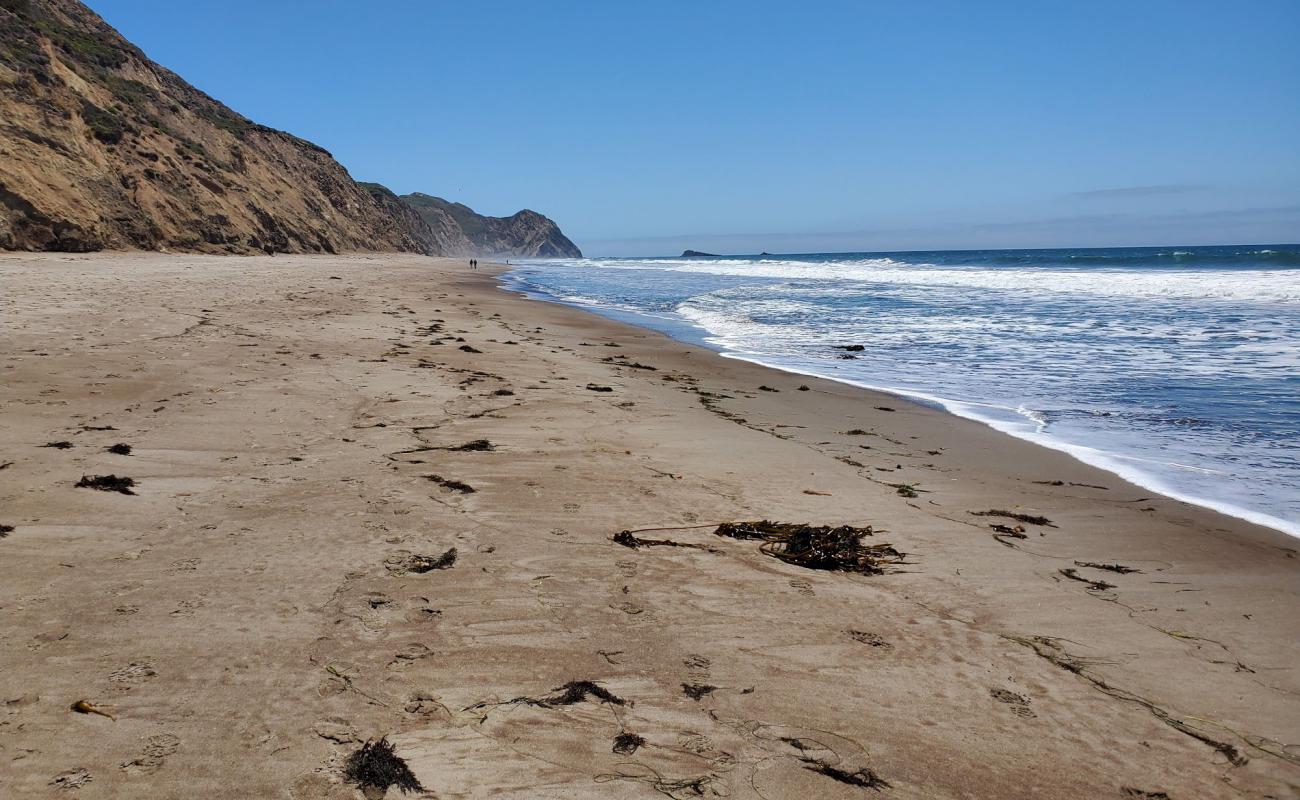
{"type": "Point", "coordinates": [377, 764]}
{"type": "Point", "coordinates": [569, 694]}
{"type": "Point", "coordinates": [696, 691]}
{"type": "Point", "coordinates": [1073, 574]}
{"type": "Point", "coordinates": [626, 743]}
{"type": "Point", "coordinates": [865, 778]}
{"type": "Point", "coordinates": [421, 563]}
{"type": "Point", "coordinates": [1118, 568]}
{"type": "Point", "coordinates": [87, 707]}
{"type": "Point", "coordinates": [452, 484]}
{"type": "Point", "coordinates": [1028, 519]}
{"type": "Point", "coordinates": [478, 445]}
{"type": "Point", "coordinates": [838, 549]}
{"type": "Point", "coordinates": [628, 539]}
{"type": "Point", "coordinates": [106, 483]}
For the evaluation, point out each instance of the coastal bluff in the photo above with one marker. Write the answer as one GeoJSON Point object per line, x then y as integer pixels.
{"type": "Point", "coordinates": [103, 149]}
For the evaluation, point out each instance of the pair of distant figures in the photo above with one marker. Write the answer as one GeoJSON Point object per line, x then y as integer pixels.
{"type": "Point", "coordinates": [473, 263]}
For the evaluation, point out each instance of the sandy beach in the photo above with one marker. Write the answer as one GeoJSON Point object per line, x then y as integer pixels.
{"type": "Point", "coordinates": [310, 439]}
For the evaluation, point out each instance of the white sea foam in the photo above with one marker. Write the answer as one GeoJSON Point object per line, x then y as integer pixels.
{"type": "Point", "coordinates": [1115, 463]}
{"type": "Point", "coordinates": [1175, 379]}
{"type": "Point", "coordinates": [1247, 286]}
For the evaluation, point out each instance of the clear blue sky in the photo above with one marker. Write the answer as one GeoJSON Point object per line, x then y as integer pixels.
{"type": "Point", "coordinates": [648, 127]}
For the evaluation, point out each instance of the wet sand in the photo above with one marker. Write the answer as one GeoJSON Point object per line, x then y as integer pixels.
{"type": "Point", "coordinates": [254, 611]}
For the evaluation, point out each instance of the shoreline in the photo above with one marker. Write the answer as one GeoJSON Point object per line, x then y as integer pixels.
{"type": "Point", "coordinates": [1111, 463]}
{"type": "Point", "coordinates": [305, 430]}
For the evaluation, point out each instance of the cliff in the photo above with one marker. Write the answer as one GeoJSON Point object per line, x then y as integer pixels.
{"type": "Point", "coordinates": [524, 234]}
{"type": "Point", "coordinates": [101, 148]}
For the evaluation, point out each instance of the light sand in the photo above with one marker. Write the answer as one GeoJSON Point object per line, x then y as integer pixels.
{"type": "Point", "coordinates": [241, 617]}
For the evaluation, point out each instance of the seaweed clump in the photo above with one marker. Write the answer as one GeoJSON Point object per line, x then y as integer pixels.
{"type": "Point", "coordinates": [575, 692]}
{"type": "Point", "coordinates": [120, 449]}
{"type": "Point", "coordinates": [422, 564]}
{"type": "Point", "coordinates": [106, 483]}
{"type": "Point", "coordinates": [1028, 519]}
{"type": "Point", "coordinates": [569, 694]}
{"type": "Point", "coordinates": [478, 445]}
{"type": "Point", "coordinates": [5, 530]}
{"type": "Point", "coordinates": [865, 778]}
{"type": "Point", "coordinates": [625, 744]}
{"type": "Point", "coordinates": [377, 764]}
{"type": "Point", "coordinates": [452, 484]}
{"type": "Point", "coordinates": [837, 549]}
{"type": "Point", "coordinates": [696, 691]}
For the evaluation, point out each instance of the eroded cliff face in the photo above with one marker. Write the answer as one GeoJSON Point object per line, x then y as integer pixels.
{"type": "Point", "coordinates": [102, 148]}
{"type": "Point", "coordinates": [435, 234]}
{"type": "Point", "coordinates": [525, 234]}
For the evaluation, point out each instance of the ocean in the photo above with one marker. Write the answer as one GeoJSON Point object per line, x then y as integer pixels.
{"type": "Point", "coordinates": [1177, 368]}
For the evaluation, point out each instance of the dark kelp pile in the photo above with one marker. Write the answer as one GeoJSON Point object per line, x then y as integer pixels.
{"type": "Point", "coordinates": [838, 549]}
{"type": "Point", "coordinates": [696, 691]}
{"type": "Point", "coordinates": [864, 778]}
{"type": "Point", "coordinates": [377, 764]}
{"type": "Point", "coordinates": [626, 743]}
{"type": "Point", "coordinates": [106, 483]}
{"type": "Point", "coordinates": [120, 449]}
{"type": "Point", "coordinates": [569, 694]}
{"type": "Point", "coordinates": [452, 484]}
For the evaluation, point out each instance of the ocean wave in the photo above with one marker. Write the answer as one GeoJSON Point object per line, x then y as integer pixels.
{"type": "Point", "coordinates": [1239, 285]}
{"type": "Point", "coordinates": [1179, 379]}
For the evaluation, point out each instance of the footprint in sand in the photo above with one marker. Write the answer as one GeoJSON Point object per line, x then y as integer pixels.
{"type": "Point", "coordinates": [130, 675]}
{"type": "Point", "coordinates": [336, 729]}
{"type": "Point", "coordinates": [151, 759]}
{"type": "Point", "coordinates": [802, 586]}
{"type": "Point", "coordinates": [186, 608]}
{"type": "Point", "coordinates": [699, 668]}
{"type": "Point", "coordinates": [1018, 703]}
{"type": "Point", "coordinates": [71, 780]}
{"type": "Point", "coordinates": [626, 568]}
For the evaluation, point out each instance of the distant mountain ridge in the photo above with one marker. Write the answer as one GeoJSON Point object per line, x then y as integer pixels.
{"type": "Point", "coordinates": [101, 148]}
{"type": "Point", "coordinates": [524, 233]}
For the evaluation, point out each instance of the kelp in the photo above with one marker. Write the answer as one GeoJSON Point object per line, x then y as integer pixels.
{"type": "Point", "coordinates": [1028, 519]}
{"type": "Point", "coordinates": [627, 743]}
{"type": "Point", "coordinates": [822, 547]}
{"type": "Point", "coordinates": [377, 764]}
{"type": "Point", "coordinates": [865, 778]}
{"type": "Point", "coordinates": [106, 483]}
{"type": "Point", "coordinates": [628, 539]}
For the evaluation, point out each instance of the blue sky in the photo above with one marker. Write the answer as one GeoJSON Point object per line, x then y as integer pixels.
{"type": "Point", "coordinates": [646, 128]}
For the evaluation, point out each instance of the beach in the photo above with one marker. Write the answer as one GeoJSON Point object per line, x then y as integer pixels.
{"type": "Point", "coordinates": [311, 437]}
